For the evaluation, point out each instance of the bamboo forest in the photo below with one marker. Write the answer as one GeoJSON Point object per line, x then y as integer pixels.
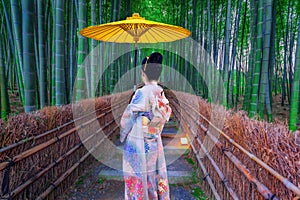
{"type": "Point", "coordinates": [234, 122]}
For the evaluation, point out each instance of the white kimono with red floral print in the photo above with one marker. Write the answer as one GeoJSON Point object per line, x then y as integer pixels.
{"type": "Point", "coordinates": [144, 166]}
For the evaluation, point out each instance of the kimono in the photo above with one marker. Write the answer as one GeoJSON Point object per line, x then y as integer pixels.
{"type": "Point", "coordinates": [144, 165]}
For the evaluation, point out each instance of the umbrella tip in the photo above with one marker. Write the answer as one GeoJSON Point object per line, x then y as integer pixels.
{"type": "Point", "coordinates": [135, 16]}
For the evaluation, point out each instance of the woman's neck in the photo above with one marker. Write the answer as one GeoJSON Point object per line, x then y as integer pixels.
{"type": "Point", "coordinates": [150, 82]}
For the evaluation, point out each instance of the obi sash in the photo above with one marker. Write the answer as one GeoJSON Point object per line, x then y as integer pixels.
{"type": "Point", "coordinates": [150, 132]}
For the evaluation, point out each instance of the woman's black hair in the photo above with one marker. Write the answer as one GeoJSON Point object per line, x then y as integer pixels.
{"type": "Point", "coordinates": [152, 67]}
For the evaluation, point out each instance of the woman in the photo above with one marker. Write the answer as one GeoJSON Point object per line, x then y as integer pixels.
{"type": "Point", "coordinates": [144, 166]}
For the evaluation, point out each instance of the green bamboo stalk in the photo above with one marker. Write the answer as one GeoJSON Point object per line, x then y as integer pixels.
{"type": "Point", "coordinates": [72, 50]}
{"type": "Point", "coordinates": [53, 57]}
{"type": "Point", "coordinates": [17, 35]}
{"type": "Point", "coordinates": [265, 63]}
{"type": "Point", "coordinates": [49, 51]}
{"type": "Point", "coordinates": [60, 83]}
{"type": "Point", "coordinates": [113, 66]}
{"type": "Point", "coordinates": [208, 35]}
{"type": "Point", "coordinates": [8, 26]}
{"type": "Point", "coordinates": [295, 100]}
{"type": "Point", "coordinates": [81, 80]}
{"type": "Point", "coordinates": [258, 57]}
{"type": "Point", "coordinates": [29, 54]}
{"type": "Point", "coordinates": [94, 66]}
{"type": "Point", "coordinates": [272, 61]}
{"type": "Point", "coordinates": [100, 50]}
{"type": "Point", "coordinates": [42, 54]}
{"type": "Point", "coordinates": [67, 48]}
{"type": "Point", "coordinates": [291, 47]}
{"type": "Point", "coordinates": [226, 53]}
{"type": "Point", "coordinates": [249, 74]}
{"type": "Point", "coordinates": [4, 101]}
{"type": "Point", "coordinates": [240, 79]}
{"type": "Point", "coordinates": [231, 99]}
{"type": "Point", "coordinates": [284, 81]}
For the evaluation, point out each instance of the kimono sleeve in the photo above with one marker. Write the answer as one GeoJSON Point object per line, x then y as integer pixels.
{"type": "Point", "coordinates": [129, 117]}
{"type": "Point", "coordinates": [167, 109]}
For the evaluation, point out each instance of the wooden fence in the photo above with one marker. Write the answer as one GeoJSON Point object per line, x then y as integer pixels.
{"type": "Point", "coordinates": [240, 158]}
{"type": "Point", "coordinates": [44, 165]}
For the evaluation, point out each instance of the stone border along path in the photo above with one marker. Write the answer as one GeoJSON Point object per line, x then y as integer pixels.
{"type": "Point", "coordinates": [100, 182]}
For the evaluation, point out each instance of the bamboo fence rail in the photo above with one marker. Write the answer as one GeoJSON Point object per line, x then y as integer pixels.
{"type": "Point", "coordinates": [263, 190]}
{"type": "Point", "coordinates": [36, 165]}
{"type": "Point", "coordinates": [242, 169]}
{"type": "Point", "coordinates": [52, 141]}
{"type": "Point", "coordinates": [59, 156]}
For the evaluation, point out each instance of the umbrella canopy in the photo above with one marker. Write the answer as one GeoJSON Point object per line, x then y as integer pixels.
{"type": "Point", "coordinates": [135, 29]}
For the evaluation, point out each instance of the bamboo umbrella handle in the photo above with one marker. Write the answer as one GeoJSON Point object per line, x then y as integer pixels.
{"type": "Point", "coordinates": [135, 61]}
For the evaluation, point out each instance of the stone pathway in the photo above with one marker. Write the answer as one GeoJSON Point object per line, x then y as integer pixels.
{"type": "Point", "coordinates": [91, 186]}
{"type": "Point", "coordinates": [101, 182]}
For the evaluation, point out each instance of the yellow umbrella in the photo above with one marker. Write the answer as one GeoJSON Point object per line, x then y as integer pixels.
{"type": "Point", "coordinates": [135, 30]}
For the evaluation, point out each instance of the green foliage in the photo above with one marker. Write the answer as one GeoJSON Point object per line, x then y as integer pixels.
{"type": "Point", "coordinates": [196, 191]}
{"type": "Point", "coordinates": [190, 161]}
{"type": "Point", "coordinates": [199, 194]}
{"type": "Point", "coordinates": [80, 180]}
{"type": "Point", "coordinates": [101, 180]}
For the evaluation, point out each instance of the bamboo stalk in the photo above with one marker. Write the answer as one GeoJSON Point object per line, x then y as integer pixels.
{"type": "Point", "coordinates": [289, 185]}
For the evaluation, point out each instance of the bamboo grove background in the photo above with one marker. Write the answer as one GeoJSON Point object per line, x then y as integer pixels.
{"type": "Point", "coordinates": [254, 44]}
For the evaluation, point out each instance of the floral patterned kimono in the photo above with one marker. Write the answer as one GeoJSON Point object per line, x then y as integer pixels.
{"type": "Point", "coordinates": [144, 166]}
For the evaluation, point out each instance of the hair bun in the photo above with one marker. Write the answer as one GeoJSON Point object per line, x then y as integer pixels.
{"type": "Point", "coordinates": [155, 58]}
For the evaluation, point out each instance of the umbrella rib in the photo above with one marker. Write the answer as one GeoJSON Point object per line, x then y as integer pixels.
{"type": "Point", "coordinates": [175, 28]}
{"type": "Point", "coordinates": [122, 26]}
{"type": "Point", "coordinates": [143, 31]}
{"type": "Point", "coordinates": [147, 38]}
{"type": "Point", "coordinates": [150, 33]}
{"type": "Point", "coordinates": [108, 33]}
{"type": "Point", "coordinates": [119, 37]}
{"type": "Point", "coordinates": [153, 30]}
{"type": "Point", "coordinates": [94, 30]}
{"type": "Point", "coordinates": [169, 31]}
{"type": "Point", "coordinates": [126, 37]}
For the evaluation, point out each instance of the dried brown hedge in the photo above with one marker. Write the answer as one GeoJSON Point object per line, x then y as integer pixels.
{"type": "Point", "coordinates": [273, 143]}
{"type": "Point", "coordinates": [24, 125]}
